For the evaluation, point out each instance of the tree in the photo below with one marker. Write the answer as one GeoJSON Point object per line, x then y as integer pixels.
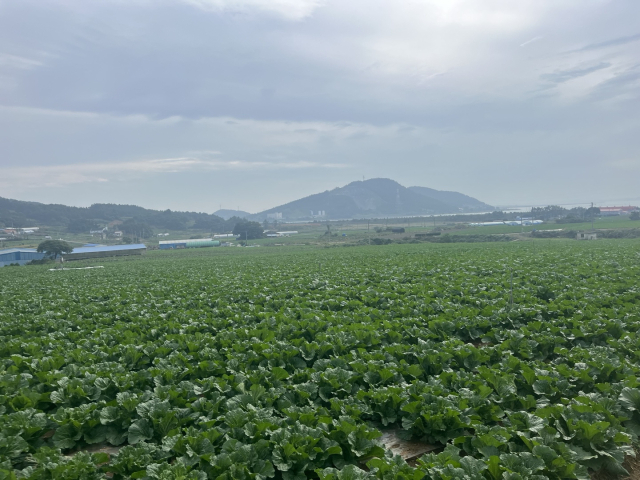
{"type": "Point", "coordinates": [634, 215]}
{"type": "Point", "coordinates": [548, 212]}
{"type": "Point", "coordinates": [247, 229]}
{"type": "Point", "coordinates": [81, 226]}
{"type": "Point", "coordinates": [53, 248]}
{"type": "Point", "coordinates": [592, 211]}
{"type": "Point", "coordinates": [136, 229]}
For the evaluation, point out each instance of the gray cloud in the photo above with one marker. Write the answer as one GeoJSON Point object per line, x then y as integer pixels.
{"type": "Point", "coordinates": [534, 39]}
{"type": "Point", "coordinates": [624, 84]}
{"type": "Point", "coordinates": [288, 9]}
{"type": "Point", "coordinates": [65, 175]}
{"type": "Point", "coordinates": [433, 93]}
{"type": "Point", "coordinates": [14, 61]}
{"type": "Point", "coordinates": [610, 43]}
{"type": "Point", "coordinates": [562, 76]}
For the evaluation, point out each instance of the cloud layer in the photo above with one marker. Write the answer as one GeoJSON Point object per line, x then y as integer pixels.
{"type": "Point", "coordinates": [287, 9]}
{"type": "Point", "coordinates": [66, 175]}
{"type": "Point", "coordinates": [302, 95]}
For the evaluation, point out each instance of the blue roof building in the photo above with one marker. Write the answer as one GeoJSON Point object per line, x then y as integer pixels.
{"type": "Point", "coordinates": [19, 255]}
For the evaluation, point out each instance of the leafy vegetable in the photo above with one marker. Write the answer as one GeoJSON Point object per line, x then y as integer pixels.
{"type": "Point", "coordinates": [256, 365]}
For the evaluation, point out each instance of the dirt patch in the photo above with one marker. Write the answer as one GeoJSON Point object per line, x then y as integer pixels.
{"type": "Point", "coordinates": [409, 450]}
{"type": "Point", "coordinates": [100, 448]}
{"type": "Point", "coordinates": [632, 465]}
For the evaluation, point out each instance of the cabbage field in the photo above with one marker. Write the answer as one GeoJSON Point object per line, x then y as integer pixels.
{"type": "Point", "coordinates": [511, 361]}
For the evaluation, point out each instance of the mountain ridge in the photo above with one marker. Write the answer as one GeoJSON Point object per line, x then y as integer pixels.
{"type": "Point", "coordinates": [19, 213]}
{"type": "Point", "coordinates": [377, 197]}
{"type": "Point", "coordinates": [374, 197]}
{"type": "Point", "coordinates": [452, 198]}
{"type": "Point", "coordinates": [228, 213]}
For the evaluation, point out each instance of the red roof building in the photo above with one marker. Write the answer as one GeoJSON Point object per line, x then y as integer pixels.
{"type": "Point", "coordinates": [617, 210]}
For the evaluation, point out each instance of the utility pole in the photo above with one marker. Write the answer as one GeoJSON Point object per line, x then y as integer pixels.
{"type": "Point", "coordinates": [592, 216]}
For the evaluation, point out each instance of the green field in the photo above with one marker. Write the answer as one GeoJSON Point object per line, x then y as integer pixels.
{"type": "Point", "coordinates": [599, 223]}
{"type": "Point", "coordinates": [355, 231]}
{"type": "Point", "coordinates": [508, 361]}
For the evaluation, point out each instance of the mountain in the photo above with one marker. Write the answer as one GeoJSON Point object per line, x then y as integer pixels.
{"type": "Point", "coordinates": [377, 197]}
{"type": "Point", "coordinates": [17, 213]}
{"type": "Point", "coordinates": [455, 199]}
{"type": "Point", "coordinates": [227, 214]}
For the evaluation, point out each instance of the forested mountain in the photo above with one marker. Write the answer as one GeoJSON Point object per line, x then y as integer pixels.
{"type": "Point", "coordinates": [227, 214]}
{"type": "Point", "coordinates": [378, 197]}
{"type": "Point", "coordinates": [16, 213]}
{"type": "Point", "coordinates": [454, 199]}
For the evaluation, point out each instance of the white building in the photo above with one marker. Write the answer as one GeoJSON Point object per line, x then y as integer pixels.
{"type": "Point", "coordinates": [586, 236]}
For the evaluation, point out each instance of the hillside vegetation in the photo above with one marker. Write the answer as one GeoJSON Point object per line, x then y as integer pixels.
{"type": "Point", "coordinates": [16, 213]}
{"type": "Point", "coordinates": [378, 197]}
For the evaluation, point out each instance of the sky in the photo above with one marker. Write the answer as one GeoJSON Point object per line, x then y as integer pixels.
{"type": "Point", "coordinates": [201, 104]}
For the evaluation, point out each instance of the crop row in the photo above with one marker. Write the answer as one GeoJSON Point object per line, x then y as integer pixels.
{"type": "Point", "coordinates": [289, 366]}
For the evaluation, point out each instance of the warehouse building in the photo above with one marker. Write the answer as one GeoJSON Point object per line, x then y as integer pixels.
{"type": "Point", "coordinates": [101, 251]}
{"type": "Point", "coordinates": [20, 256]}
{"type": "Point", "coordinates": [610, 211]}
{"type": "Point", "coordinates": [191, 243]}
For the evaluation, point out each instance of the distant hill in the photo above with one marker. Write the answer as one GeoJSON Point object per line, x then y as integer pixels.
{"type": "Point", "coordinates": [378, 197]}
{"type": "Point", "coordinates": [17, 213]}
{"type": "Point", "coordinates": [455, 199]}
{"type": "Point", "coordinates": [227, 214]}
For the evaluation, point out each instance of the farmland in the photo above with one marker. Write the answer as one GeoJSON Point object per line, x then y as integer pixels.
{"type": "Point", "coordinates": [509, 361]}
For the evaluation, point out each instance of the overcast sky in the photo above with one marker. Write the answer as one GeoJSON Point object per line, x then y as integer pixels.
{"type": "Point", "coordinates": [193, 104]}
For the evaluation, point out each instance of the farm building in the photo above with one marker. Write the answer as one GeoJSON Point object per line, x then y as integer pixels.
{"type": "Point", "coordinates": [191, 243]}
{"type": "Point", "coordinates": [586, 236]}
{"type": "Point", "coordinates": [101, 251]}
{"type": "Point", "coordinates": [625, 210]}
{"type": "Point", "coordinates": [19, 255]}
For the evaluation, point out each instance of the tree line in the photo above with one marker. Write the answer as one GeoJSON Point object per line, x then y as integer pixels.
{"type": "Point", "coordinates": [16, 213]}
